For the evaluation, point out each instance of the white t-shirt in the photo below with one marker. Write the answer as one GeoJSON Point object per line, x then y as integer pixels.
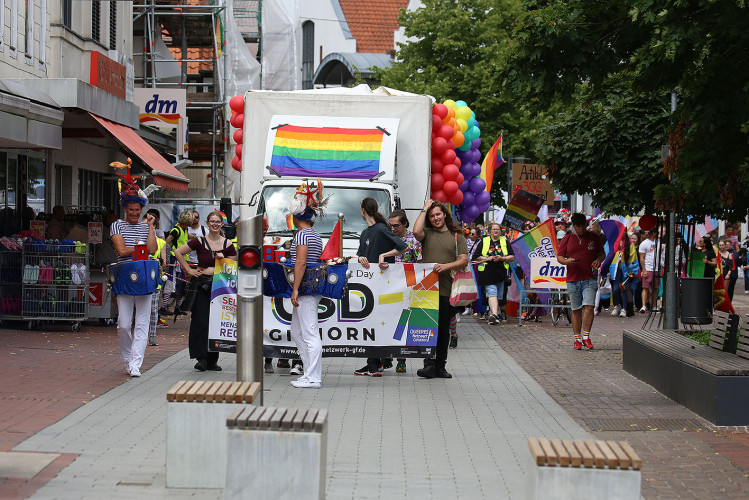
{"type": "Point", "coordinates": [648, 248]}
{"type": "Point", "coordinates": [196, 232]}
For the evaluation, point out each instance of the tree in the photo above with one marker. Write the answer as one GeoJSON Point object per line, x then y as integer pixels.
{"type": "Point", "coordinates": [588, 51]}
{"type": "Point", "coordinates": [457, 52]}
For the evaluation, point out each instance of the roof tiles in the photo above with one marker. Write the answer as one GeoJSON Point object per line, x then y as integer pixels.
{"type": "Point", "coordinates": [373, 23]}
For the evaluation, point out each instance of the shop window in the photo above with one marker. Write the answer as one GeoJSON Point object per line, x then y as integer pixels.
{"type": "Point", "coordinates": [90, 188]}
{"type": "Point", "coordinates": [96, 20]}
{"type": "Point", "coordinates": [112, 25]}
{"type": "Point", "coordinates": [36, 187]}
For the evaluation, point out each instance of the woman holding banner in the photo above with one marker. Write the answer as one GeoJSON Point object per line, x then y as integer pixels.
{"type": "Point", "coordinates": [208, 248]}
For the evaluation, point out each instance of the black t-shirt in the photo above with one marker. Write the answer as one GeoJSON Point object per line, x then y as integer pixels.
{"type": "Point", "coordinates": [378, 239]}
{"type": "Point", "coordinates": [494, 272]}
{"type": "Point", "coordinates": [709, 255]}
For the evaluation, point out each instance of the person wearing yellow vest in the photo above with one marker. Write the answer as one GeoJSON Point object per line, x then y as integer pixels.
{"type": "Point", "coordinates": [160, 255]}
{"type": "Point", "coordinates": [493, 254]}
{"type": "Point", "coordinates": [178, 237]}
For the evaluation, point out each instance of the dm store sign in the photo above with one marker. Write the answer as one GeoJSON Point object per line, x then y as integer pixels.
{"type": "Point", "coordinates": [547, 272]}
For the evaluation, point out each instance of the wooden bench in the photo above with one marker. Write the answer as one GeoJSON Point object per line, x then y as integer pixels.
{"type": "Point", "coordinates": [712, 383]}
{"type": "Point", "coordinates": [276, 453]}
{"type": "Point", "coordinates": [583, 469]}
{"type": "Point", "coordinates": [195, 431]}
{"type": "Point", "coordinates": [724, 331]}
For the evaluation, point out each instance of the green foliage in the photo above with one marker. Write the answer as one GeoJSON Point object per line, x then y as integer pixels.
{"type": "Point", "coordinates": [700, 48]}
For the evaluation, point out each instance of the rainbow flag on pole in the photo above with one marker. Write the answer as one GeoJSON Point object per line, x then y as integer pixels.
{"type": "Point", "coordinates": [492, 160]}
{"type": "Point", "coordinates": [523, 207]}
{"type": "Point", "coordinates": [541, 241]}
{"type": "Point", "coordinates": [349, 153]}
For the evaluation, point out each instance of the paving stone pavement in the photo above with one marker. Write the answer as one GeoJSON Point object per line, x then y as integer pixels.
{"type": "Point", "coordinates": [695, 460]}
{"type": "Point", "coordinates": [393, 437]}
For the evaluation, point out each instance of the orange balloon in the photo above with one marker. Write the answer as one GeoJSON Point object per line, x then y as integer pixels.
{"type": "Point", "coordinates": [459, 139]}
{"type": "Point", "coordinates": [452, 122]}
{"type": "Point", "coordinates": [450, 113]}
{"type": "Point", "coordinates": [456, 128]}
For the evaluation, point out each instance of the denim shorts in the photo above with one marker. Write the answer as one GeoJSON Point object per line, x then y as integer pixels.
{"type": "Point", "coordinates": [496, 290]}
{"type": "Point", "coordinates": [582, 293]}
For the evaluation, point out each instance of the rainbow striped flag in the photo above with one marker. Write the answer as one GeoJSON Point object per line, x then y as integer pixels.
{"type": "Point", "coordinates": [523, 207]}
{"type": "Point", "coordinates": [492, 160]}
{"type": "Point", "coordinates": [541, 241]}
{"type": "Point", "coordinates": [290, 222]}
{"type": "Point", "coordinates": [334, 152]}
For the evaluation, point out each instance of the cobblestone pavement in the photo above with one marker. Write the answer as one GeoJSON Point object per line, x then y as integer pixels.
{"type": "Point", "coordinates": [684, 455]}
{"type": "Point", "coordinates": [49, 372]}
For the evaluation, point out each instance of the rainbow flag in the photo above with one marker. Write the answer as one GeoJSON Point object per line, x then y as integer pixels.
{"type": "Point", "coordinates": [541, 241]}
{"type": "Point", "coordinates": [523, 207]}
{"type": "Point", "coordinates": [492, 160]}
{"type": "Point", "coordinates": [290, 222]}
{"type": "Point", "coordinates": [345, 153]}
{"type": "Point", "coordinates": [224, 219]}
{"type": "Point", "coordinates": [614, 231]}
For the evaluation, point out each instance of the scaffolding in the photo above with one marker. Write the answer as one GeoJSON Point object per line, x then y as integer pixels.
{"type": "Point", "coordinates": [182, 41]}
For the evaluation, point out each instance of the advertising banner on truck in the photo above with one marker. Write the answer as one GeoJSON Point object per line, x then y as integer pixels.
{"type": "Point", "coordinates": [382, 313]}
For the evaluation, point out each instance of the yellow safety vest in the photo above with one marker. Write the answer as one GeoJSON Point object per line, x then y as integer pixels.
{"type": "Point", "coordinates": [485, 250]}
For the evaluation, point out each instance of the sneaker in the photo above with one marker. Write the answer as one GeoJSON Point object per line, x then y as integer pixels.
{"type": "Point", "coordinates": [152, 343]}
{"type": "Point", "coordinates": [127, 367]}
{"type": "Point", "coordinates": [493, 320]}
{"type": "Point", "coordinates": [578, 345]}
{"type": "Point", "coordinates": [483, 316]}
{"type": "Point", "coordinates": [296, 370]}
{"type": "Point", "coordinates": [476, 315]}
{"type": "Point", "coordinates": [453, 342]}
{"type": "Point", "coordinates": [214, 368]}
{"type": "Point", "coordinates": [457, 318]}
{"type": "Point", "coordinates": [305, 384]}
{"type": "Point", "coordinates": [643, 310]}
{"type": "Point", "coordinates": [400, 367]}
{"type": "Point", "coordinates": [623, 314]}
{"type": "Point", "coordinates": [588, 344]}
{"type": "Point", "coordinates": [466, 311]}
{"type": "Point", "coordinates": [503, 317]}
{"type": "Point", "coordinates": [161, 324]}
{"type": "Point", "coordinates": [283, 363]}
{"type": "Point", "coordinates": [617, 310]}
{"type": "Point", "coordinates": [268, 367]}
{"type": "Point", "coordinates": [362, 371]}
{"type": "Point", "coordinates": [135, 372]}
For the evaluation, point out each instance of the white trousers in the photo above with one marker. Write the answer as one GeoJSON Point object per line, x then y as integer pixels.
{"type": "Point", "coordinates": [306, 336]}
{"type": "Point", "coordinates": [133, 339]}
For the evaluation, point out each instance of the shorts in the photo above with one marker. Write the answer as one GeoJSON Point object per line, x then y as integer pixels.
{"type": "Point", "coordinates": [647, 281]}
{"type": "Point", "coordinates": [496, 290]}
{"type": "Point", "coordinates": [582, 293]}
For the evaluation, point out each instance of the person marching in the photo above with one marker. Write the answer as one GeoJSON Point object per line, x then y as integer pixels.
{"type": "Point", "coordinates": [444, 244]}
{"type": "Point", "coordinates": [582, 252]}
{"type": "Point", "coordinates": [208, 249]}
{"type": "Point", "coordinates": [126, 233]}
{"type": "Point", "coordinates": [306, 248]}
{"type": "Point", "coordinates": [493, 254]}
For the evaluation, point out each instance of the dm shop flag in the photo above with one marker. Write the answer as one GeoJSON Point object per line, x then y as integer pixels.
{"type": "Point", "coordinates": [492, 160]}
{"type": "Point", "coordinates": [347, 153]}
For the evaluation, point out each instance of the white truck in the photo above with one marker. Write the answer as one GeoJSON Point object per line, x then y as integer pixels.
{"type": "Point", "coordinates": [284, 142]}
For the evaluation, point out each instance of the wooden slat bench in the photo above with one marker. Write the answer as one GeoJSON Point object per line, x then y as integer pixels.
{"type": "Point", "coordinates": [723, 331]}
{"type": "Point", "coordinates": [270, 442]}
{"type": "Point", "coordinates": [196, 433]}
{"type": "Point", "coordinates": [583, 469]}
{"type": "Point", "coordinates": [712, 383]}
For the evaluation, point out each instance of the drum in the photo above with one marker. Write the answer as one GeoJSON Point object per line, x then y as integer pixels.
{"type": "Point", "coordinates": [138, 277]}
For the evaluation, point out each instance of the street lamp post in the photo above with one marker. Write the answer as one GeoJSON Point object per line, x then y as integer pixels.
{"type": "Point", "coordinates": [670, 320]}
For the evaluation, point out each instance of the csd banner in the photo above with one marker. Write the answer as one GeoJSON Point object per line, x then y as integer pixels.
{"type": "Point", "coordinates": [222, 330]}
{"type": "Point", "coordinates": [546, 272]}
{"type": "Point", "coordinates": [382, 313]}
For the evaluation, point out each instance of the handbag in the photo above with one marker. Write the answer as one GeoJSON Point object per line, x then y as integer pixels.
{"type": "Point", "coordinates": [463, 290]}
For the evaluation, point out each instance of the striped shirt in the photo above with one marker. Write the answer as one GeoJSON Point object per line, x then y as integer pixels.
{"type": "Point", "coordinates": [309, 237]}
{"type": "Point", "coordinates": [131, 234]}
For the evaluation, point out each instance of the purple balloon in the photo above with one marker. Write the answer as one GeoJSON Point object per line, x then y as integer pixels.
{"type": "Point", "coordinates": [482, 198]}
{"type": "Point", "coordinates": [472, 212]}
{"type": "Point", "coordinates": [468, 199]}
{"type": "Point", "coordinates": [476, 156]}
{"type": "Point", "coordinates": [466, 169]}
{"type": "Point", "coordinates": [475, 143]}
{"type": "Point", "coordinates": [478, 184]}
{"type": "Point", "coordinates": [465, 156]}
{"type": "Point", "coordinates": [476, 169]}
{"type": "Point", "coordinates": [466, 186]}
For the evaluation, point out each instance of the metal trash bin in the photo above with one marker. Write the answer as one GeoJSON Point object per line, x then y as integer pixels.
{"type": "Point", "coordinates": [696, 300]}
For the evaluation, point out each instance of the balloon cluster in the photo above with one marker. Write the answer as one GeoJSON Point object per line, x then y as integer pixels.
{"type": "Point", "coordinates": [455, 156]}
{"type": "Point", "coordinates": [237, 121]}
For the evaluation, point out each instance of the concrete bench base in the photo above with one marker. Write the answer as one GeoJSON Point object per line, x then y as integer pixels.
{"type": "Point", "coordinates": [550, 483]}
{"type": "Point", "coordinates": [196, 444]}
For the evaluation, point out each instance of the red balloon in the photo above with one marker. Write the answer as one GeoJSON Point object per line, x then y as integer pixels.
{"type": "Point", "coordinates": [436, 122]}
{"type": "Point", "coordinates": [450, 188]}
{"type": "Point", "coordinates": [439, 196]}
{"type": "Point", "coordinates": [437, 182]}
{"type": "Point", "coordinates": [457, 198]}
{"type": "Point", "coordinates": [450, 171]}
{"type": "Point", "coordinates": [238, 136]}
{"type": "Point", "coordinates": [459, 180]}
{"type": "Point", "coordinates": [237, 120]}
{"type": "Point", "coordinates": [439, 144]}
{"type": "Point", "coordinates": [448, 156]}
{"type": "Point", "coordinates": [237, 103]}
{"type": "Point", "coordinates": [238, 150]}
{"type": "Point", "coordinates": [647, 222]}
{"type": "Point", "coordinates": [446, 132]}
{"type": "Point", "coordinates": [450, 144]}
{"type": "Point", "coordinates": [457, 162]}
{"type": "Point", "coordinates": [437, 165]}
{"type": "Point", "coordinates": [439, 110]}
{"type": "Point", "coordinates": [236, 164]}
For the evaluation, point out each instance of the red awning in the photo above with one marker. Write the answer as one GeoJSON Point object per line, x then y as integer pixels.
{"type": "Point", "coordinates": [164, 174]}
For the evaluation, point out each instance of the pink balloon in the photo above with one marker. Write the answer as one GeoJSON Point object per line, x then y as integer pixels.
{"type": "Point", "coordinates": [439, 145]}
{"type": "Point", "coordinates": [450, 188]}
{"type": "Point", "coordinates": [450, 172]}
{"type": "Point", "coordinates": [237, 103]}
{"type": "Point", "coordinates": [437, 165]}
{"type": "Point", "coordinates": [439, 196]}
{"type": "Point", "coordinates": [437, 181]}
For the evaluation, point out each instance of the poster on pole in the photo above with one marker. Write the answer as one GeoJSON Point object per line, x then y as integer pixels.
{"type": "Point", "coordinates": [534, 179]}
{"type": "Point", "coordinates": [222, 330]}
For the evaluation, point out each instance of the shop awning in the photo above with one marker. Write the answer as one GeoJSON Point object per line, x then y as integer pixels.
{"type": "Point", "coordinates": [164, 174]}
